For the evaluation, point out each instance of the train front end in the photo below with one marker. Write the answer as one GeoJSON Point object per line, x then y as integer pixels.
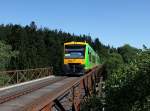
{"type": "Point", "coordinates": [74, 58]}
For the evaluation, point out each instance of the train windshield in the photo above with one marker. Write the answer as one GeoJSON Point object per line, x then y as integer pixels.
{"type": "Point", "coordinates": [74, 51]}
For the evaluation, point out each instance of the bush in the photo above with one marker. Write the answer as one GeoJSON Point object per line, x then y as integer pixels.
{"type": "Point", "coordinates": [128, 87]}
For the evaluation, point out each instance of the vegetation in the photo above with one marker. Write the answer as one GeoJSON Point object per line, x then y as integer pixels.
{"type": "Point", "coordinates": [5, 56]}
{"type": "Point", "coordinates": [127, 86]}
{"type": "Point", "coordinates": [93, 103]}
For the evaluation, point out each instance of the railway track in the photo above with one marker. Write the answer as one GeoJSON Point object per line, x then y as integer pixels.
{"type": "Point", "coordinates": [12, 92]}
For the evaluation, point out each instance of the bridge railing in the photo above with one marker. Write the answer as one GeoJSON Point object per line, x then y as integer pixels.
{"type": "Point", "coordinates": [70, 95]}
{"type": "Point", "coordinates": [19, 76]}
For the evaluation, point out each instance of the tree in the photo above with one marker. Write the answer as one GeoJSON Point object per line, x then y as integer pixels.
{"type": "Point", "coordinates": [101, 49]}
{"type": "Point", "coordinates": [93, 103]}
{"type": "Point", "coordinates": [5, 55]}
{"type": "Point", "coordinates": [113, 62]}
{"type": "Point", "coordinates": [128, 53]}
{"type": "Point", "coordinates": [127, 89]}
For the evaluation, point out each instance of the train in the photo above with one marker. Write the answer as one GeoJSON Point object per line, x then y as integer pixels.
{"type": "Point", "coordinates": [79, 57]}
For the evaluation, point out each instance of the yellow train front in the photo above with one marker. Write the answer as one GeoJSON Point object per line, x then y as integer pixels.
{"type": "Point", "coordinates": [78, 58]}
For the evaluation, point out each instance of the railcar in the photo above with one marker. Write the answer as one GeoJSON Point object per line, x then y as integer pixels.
{"type": "Point", "coordinates": [79, 57]}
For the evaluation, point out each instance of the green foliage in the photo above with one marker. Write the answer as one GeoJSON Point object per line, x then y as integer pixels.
{"type": "Point", "coordinates": [127, 89]}
{"type": "Point", "coordinates": [113, 62]}
{"type": "Point", "coordinates": [94, 103]}
{"type": "Point", "coordinates": [5, 55]}
{"type": "Point", "coordinates": [128, 53]}
{"type": "Point", "coordinates": [101, 50]}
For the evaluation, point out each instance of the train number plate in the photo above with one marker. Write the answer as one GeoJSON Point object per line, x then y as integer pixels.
{"type": "Point", "coordinates": [70, 61]}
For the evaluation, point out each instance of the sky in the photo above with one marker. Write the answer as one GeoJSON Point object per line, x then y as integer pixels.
{"type": "Point", "coordinates": [114, 22]}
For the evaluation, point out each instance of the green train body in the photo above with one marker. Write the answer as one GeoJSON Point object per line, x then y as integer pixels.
{"type": "Point", "coordinates": [79, 57]}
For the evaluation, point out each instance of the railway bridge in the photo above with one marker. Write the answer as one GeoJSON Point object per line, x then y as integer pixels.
{"type": "Point", "coordinates": [32, 92]}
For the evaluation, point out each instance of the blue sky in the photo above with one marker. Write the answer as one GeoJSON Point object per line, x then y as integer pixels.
{"type": "Point", "coordinates": [115, 22]}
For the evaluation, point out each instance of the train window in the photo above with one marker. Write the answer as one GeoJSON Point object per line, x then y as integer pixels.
{"type": "Point", "coordinates": [93, 59]}
{"type": "Point", "coordinates": [74, 51]}
{"type": "Point", "coordinates": [90, 56]}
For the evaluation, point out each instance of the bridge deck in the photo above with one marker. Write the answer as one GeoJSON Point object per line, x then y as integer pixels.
{"type": "Point", "coordinates": [38, 98]}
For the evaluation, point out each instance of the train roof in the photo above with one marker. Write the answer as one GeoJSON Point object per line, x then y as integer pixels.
{"type": "Point", "coordinates": [73, 42]}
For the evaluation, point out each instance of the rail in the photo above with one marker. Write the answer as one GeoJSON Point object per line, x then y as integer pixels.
{"type": "Point", "coordinates": [19, 76]}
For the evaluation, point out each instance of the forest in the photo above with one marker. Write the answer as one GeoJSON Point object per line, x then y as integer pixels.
{"type": "Point", "coordinates": [127, 69]}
